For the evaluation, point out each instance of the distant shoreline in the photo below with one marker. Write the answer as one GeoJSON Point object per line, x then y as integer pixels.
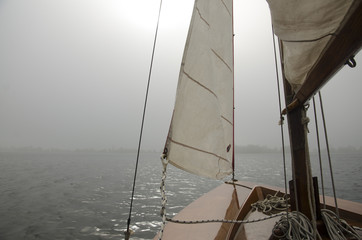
{"type": "Point", "coordinates": [247, 149]}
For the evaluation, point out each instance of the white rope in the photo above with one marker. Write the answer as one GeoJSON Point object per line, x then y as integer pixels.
{"type": "Point", "coordinates": [310, 187]}
{"type": "Point", "coordinates": [164, 161]}
{"type": "Point", "coordinates": [357, 228]}
{"type": "Point", "coordinates": [271, 204]}
{"type": "Point", "coordinates": [294, 225]}
{"type": "Point", "coordinates": [225, 220]}
{"type": "Point", "coordinates": [297, 227]}
{"type": "Point", "coordinates": [338, 229]}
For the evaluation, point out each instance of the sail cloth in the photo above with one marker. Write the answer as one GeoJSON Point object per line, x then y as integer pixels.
{"type": "Point", "coordinates": [200, 139]}
{"type": "Point", "coordinates": [305, 28]}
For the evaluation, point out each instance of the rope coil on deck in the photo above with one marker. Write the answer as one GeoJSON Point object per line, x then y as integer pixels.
{"type": "Point", "coordinates": [296, 226]}
{"type": "Point", "coordinates": [292, 225]}
{"type": "Point", "coordinates": [338, 228]}
{"type": "Point", "coordinates": [271, 204]}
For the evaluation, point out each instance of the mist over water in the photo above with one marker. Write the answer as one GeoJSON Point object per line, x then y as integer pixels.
{"type": "Point", "coordinates": [86, 195]}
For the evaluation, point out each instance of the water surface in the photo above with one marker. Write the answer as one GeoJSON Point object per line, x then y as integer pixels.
{"type": "Point", "coordinates": [85, 195]}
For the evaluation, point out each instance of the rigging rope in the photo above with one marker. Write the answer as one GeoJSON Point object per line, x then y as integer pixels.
{"type": "Point", "coordinates": [127, 233]}
{"type": "Point", "coordinates": [164, 161]}
{"type": "Point", "coordinates": [329, 154]}
{"type": "Point", "coordinates": [292, 225]}
{"type": "Point", "coordinates": [281, 117]}
{"type": "Point", "coordinates": [319, 151]}
{"type": "Point", "coordinates": [311, 203]}
{"type": "Point", "coordinates": [225, 220]}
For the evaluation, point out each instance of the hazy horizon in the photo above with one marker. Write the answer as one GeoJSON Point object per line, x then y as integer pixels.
{"type": "Point", "coordinates": [251, 148]}
{"type": "Point", "coordinates": [73, 75]}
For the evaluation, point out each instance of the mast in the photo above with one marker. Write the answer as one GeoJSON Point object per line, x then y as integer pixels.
{"type": "Point", "coordinates": [302, 194]}
{"type": "Point", "coordinates": [300, 190]}
{"type": "Point", "coordinates": [343, 44]}
{"type": "Point", "coordinates": [233, 59]}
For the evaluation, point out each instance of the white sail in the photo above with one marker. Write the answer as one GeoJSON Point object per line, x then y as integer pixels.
{"type": "Point", "coordinates": [200, 139]}
{"type": "Point", "coordinates": [305, 32]}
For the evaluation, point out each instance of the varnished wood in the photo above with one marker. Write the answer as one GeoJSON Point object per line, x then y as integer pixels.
{"type": "Point", "coordinates": [345, 44]}
{"type": "Point", "coordinates": [300, 157]}
{"type": "Point", "coordinates": [220, 202]}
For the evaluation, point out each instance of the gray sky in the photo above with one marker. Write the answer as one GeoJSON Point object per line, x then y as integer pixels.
{"type": "Point", "coordinates": [73, 74]}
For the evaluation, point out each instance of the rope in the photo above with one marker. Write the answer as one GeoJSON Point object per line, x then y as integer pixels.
{"type": "Point", "coordinates": [281, 116]}
{"type": "Point", "coordinates": [164, 161]}
{"type": "Point", "coordinates": [357, 228]}
{"type": "Point", "coordinates": [225, 220]}
{"type": "Point", "coordinates": [329, 154]}
{"type": "Point", "coordinates": [319, 151]}
{"type": "Point", "coordinates": [338, 229]}
{"type": "Point", "coordinates": [271, 204]}
{"type": "Point", "coordinates": [294, 225]}
{"type": "Point", "coordinates": [297, 227]}
{"type": "Point", "coordinates": [127, 233]}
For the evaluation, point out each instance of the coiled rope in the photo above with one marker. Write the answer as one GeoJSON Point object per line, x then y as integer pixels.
{"type": "Point", "coordinates": [271, 204]}
{"type": "Point", "coordinates": [165, 162]}
{"type": "Point", "coordinates": [297, 226]}
{"type": "Point", "coordinates": [338, 229]}
{"type": "Point", "coordinates": [292, 225]}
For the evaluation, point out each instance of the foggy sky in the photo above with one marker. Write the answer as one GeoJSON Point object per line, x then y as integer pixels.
{"type": "Point", "coordinates": [73, 74]}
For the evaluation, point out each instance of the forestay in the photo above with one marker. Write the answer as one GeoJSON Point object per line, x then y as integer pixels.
{"type": "Point", "coordinates": [200, 138]}
{"type": "Point", "coordinates": [305, 29]}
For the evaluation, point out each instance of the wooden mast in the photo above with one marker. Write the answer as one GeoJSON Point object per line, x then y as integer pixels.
{"type": "Point", "coordinates": [302, 177]}
{"type": "Point", "coordinates": [342, 46]}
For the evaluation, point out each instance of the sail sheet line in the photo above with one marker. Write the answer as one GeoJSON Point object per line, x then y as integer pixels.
{"type": "Point", "coordinates": [196, 149]}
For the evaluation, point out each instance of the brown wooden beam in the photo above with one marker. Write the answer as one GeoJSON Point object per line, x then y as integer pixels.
{"type": "Point", "coordinates": [299, 149]}
{"type": "Point", "coordinates": [300, 161]}
{"type": "Point", "coordinates": [344, 45]}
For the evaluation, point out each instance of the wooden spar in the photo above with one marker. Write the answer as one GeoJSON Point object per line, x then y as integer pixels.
{"type": "Point", "coordinates": [300, 157]}
{"type": "Point", "coordinates": [344, 45]}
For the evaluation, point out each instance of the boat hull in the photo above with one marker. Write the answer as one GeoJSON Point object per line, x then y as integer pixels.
{"type": "Point", "coordinates": [233, 202]}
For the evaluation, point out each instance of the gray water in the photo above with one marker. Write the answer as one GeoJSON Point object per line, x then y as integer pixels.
{"type": "Point", "coordinates": [77, 195]}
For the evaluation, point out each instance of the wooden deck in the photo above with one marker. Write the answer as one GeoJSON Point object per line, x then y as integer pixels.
{"type": "Point", "coordinates": [232, 201]}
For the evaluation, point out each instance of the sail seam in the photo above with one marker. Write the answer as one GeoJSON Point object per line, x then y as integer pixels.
{"type": "Point", "coordinates": [203, 19]}
{"type": "Point", "coordinates": [197, 82]}
{"type": "Point", "coordinates": [197, 149]}
{"type": "Point", "coordinates": [227, 9]}
{"type": "Point", "coordinates": [221, 59]}
{"type": "Point", "coordinates": [226, 120]}
{"type": "Point", "coordinates": [313, 39]}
